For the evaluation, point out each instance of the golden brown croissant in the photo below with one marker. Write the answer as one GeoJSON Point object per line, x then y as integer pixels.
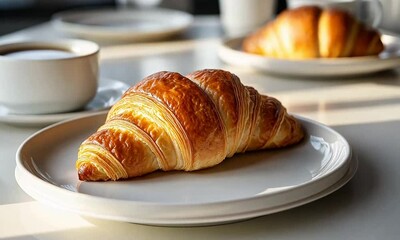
{"type": "Point", "coordinates": [311, 32]}
{"type": "Point", "coordinates": [172, 122]}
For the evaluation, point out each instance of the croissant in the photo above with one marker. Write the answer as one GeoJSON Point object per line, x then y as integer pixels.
{"type": "Point", "coordinates": [311, 32]}
{"type": "Point", "coordinates": [171, 122]}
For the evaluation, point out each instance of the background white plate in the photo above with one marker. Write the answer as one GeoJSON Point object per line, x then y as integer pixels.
{"type": "Point", "coordinates": [231, 52]}
{"type": "Point", "coordinates": [122, 24]}
{"type": "Point", "coordinates": [108, 93]}
{"type": "Point", "coordinates": [245, 186]}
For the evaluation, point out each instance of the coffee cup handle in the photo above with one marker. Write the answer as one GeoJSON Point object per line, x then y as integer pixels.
{"type": "Point", "coordinates": [378, 12]}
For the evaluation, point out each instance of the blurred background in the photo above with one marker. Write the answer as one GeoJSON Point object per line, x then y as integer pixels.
{"type": "Point", "coordinates": [19, 14]}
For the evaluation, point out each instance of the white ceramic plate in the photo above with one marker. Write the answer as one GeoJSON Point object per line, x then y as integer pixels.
{"type": "Point", "coordinates": [122, 24]}
{"type": "Point", "coordinates": [245, 186]}
{"type": "Point", "coordinates": [108, 92]}
{"type": "Point", "coordinates": [231, 53]}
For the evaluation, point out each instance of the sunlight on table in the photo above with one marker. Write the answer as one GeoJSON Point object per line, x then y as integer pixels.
{"type": "Point", "coordinates": [32, 218]}
{"type": "Point", "coordinates": [350, 104]}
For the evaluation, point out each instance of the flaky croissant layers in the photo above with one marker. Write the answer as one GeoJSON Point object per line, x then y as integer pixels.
{"type": "Point", "coordinates": [172, 122]}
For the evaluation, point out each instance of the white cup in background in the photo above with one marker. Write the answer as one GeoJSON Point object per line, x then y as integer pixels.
{"type": "Point", "coordinates": [240, 17]}
{"type": "Point", "coordinates": [47, 77]}
{"type": "Point", "coordinates": [391, 18]}
{"type": "Point", "coordinates": [368, 11]}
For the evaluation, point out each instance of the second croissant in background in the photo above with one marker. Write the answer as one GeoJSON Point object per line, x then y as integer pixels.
{"type": "Point", "coordinates": [311, 32]}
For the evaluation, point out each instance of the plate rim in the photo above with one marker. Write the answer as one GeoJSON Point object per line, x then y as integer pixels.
{"type": "Point", "coordinates": [59, 21]}
{"type": "Point", "coordinates": [227, 48]}
{"type": "Point", "coordinates": [33, 179]}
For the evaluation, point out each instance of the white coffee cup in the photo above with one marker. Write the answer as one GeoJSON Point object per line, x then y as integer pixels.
{"type": "Point", "coordinates": [368, 11]}
{"type": "Point", "coordinates": [38, 77]}
{"type": "Point", "coordinates": [240, 17]}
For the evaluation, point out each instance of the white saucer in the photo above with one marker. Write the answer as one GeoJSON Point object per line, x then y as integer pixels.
{"type": "Point", "coordinates": [231, 53]}
{"type": "Point", "coordinates": [245, 186]}
{"type": "Point", "coordinates": [109, 91]}
{"type": "Point", "coordinates": [122, 24]}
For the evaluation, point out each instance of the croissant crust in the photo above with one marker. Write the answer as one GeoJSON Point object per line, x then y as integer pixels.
{"type": "Point", "coordinates": [172, 122]}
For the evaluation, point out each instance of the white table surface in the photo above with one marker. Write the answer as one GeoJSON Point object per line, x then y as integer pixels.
{"type": "Point", "coordinates": [365, 110]}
